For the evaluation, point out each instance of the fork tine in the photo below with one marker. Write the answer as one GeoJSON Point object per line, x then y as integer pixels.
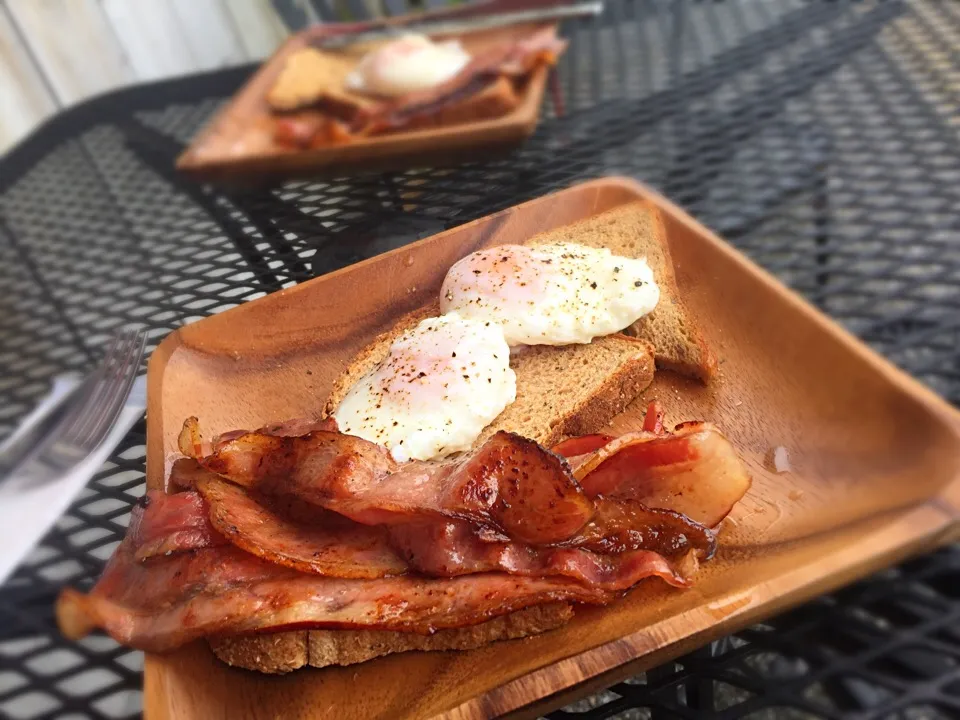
{"type": "Point", "coordinates": [78, 416]}
{"type": "Point", "coordinates": [118, 382]}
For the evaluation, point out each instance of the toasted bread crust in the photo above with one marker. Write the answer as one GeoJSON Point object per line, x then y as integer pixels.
{"type": "Point", "coordinates": [283, 652]}
{"type": "Point", "coordinates": [691, 355]}
{"type": "Point", "coordinates": [618, 390]}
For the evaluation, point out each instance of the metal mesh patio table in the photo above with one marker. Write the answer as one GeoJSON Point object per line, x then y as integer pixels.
{"type": "Point", "coordinates": [820, 138]}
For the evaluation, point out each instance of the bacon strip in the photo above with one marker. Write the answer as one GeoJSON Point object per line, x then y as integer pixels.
{"type": "Point", "coordinates": [510, 485]}
{"type": "Point", "coordinates": [159, 605]}
{"type": "Point", "coordinates": [314, 540]}
{"type": "Point", "coordinates": [694, 471]}
{"type": "Point", "coordinates": [333, 115]}
{"type": "Point", "coordinates": [327, 545]}
{"type": "Point", "coordinates": [453, 548]}
{"type": "Point", "coordinates": [174, 578]}
{"type": "Point", "coordinates": [162, 524]}
{"type": "Point", "coordinates": [621, 545]}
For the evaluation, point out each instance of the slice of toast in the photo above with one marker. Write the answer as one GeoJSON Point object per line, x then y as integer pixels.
{"type": "Point", "coordinates": [561, 391]}
{"type": "Point", "coordinates": [311, 75]}
{"type": "Point", "coordinates": [636, 230]}
{"type": "Point", "coordinates": [286, 651]}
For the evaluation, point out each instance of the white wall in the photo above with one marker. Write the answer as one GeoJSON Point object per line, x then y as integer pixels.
{"type": "Point", "coordinates": [56, 52]}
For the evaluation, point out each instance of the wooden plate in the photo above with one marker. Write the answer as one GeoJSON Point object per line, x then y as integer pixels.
{"type": "Point", "coordinates": [237, 145]}
{"type": "Point", "coordinates": [875, 468]}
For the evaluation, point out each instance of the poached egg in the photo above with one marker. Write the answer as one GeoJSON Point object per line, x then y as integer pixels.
{"type": "Point", "coordinates": [407, 64]}
{"type": "Point", "coordinates": [560, 294]}
{"type": "Point", "coordinates": [436, 390]}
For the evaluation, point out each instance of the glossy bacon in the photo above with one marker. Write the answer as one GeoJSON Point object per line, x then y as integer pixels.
{"type": "Point", "coordinates": [509, 522]}
{"type": "Point", "coordinates": [299, 130]}
{"type": "Point", "coordinates": [164, 603]}
{"type": "Point", "coordinates": [653, 420]}
{"type": "Point", "coordinates": [510, 485]}
{"type": "Point", "coordinates": [578, 447]}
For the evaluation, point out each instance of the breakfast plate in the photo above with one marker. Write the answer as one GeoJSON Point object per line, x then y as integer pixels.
{"type": "Point", "coordinates": [240, 143]}
{"type": "Point", "coordinates": [855, 465]}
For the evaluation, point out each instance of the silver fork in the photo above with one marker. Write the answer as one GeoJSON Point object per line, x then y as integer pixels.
{"type": "Point", "coordinates": [92, 412]}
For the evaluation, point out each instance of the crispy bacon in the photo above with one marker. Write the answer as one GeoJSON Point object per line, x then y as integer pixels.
{"type": "Point", "coordinates": [311, 539]}
{"type": "Point", "coordinates": [300, 129]}
{"type": "Point", "coordinates": [653, 420]}
{"type": "Point", "coordinates": [311, 128]}
{"type": "Point", "coordinates": [581, 446]}
{"type": "Point", "coordinates": [287, 428]}
{"type": "Point", "coordinates": [164, 603]}
{"type": "Point", "coordinates": [510, 485]}
{"type": "Point", "coordinates": [623, 525]}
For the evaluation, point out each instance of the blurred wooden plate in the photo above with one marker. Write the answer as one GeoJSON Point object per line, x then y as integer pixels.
{"type": "Point", "coordinates": [237, 145]}
{"type": "Point", "coordinates": [875, 461]}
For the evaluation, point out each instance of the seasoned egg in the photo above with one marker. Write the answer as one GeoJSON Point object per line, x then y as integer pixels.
{"type": "Point", "coordinates": [407, 64]}
{"type": "Point", "coordinates": [438, 387]}
{"type": "Point", "coordinates": [559, 294]}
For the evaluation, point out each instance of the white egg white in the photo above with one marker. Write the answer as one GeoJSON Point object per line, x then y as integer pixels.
{"type": "Point", "coordinates": [407, 64]}
{"type": "Point", "coordinates": [438, 387]}
{"type": "Point", "coordinates": [558, 294]}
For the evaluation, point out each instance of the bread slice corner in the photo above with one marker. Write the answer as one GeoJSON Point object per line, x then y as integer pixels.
{"type": "Point", "coordinates": [637, 230]}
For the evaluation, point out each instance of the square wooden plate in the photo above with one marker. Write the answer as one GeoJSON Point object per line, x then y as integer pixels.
{"type": "Point", "coordinates": [237, 145]}
{"type": "Point", "coordinates": [875, 462]}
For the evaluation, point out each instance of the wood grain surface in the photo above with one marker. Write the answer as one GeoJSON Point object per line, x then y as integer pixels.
{"type": "Point", "coordinates": [237, 145]}
{"type": "Point", "coordinates": [875, 468]}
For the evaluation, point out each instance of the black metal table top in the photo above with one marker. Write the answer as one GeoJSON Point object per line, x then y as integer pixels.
{"type": "Point", "coordinates": [821, 138]}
